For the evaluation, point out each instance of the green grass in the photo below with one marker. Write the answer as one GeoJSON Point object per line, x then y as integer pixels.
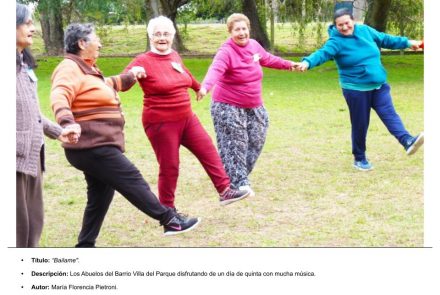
{"type": "Point", "coordinates": [199, 38]}
{"type": "Point", "coordinates": [307, 193]}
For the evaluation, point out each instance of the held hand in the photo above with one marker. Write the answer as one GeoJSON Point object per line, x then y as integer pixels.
{"type": "Point", "coordinates": [302, 66]}
{"type": "Point", "coordinates": [138, 72]}
{"type": "Point", "coordinates": [201, 93]}
{"type": "Point", "coordinates": [415, 44]}
{"type": "Point", "coordinates": [294, 66]}
{"type": "Point", "coordinates": [70, 134]}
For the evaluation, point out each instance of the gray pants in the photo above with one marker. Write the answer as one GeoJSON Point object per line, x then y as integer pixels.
{"type": "Point", "coordinates": [241, 134]}
{"type": "Point", "coordinates": [30, 212]}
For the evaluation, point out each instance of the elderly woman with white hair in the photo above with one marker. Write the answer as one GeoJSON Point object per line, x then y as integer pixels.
{"type": "Point", "coordinates": [168, 119]}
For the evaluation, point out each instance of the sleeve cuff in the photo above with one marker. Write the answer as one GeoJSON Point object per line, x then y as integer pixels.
{"type": "Point", "coordinates": [51, 129]}
{"type": "Point", "coordinates": [127, 81]}
{"type": "Point", "coordinates": [306, 62]}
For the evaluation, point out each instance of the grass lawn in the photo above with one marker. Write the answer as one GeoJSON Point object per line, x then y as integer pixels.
{"type": "Point", "coordinates": [202, 39]}
{"type": "Point", "coordinates": [198, 39]}
{"type": "Point", "coordinates": [307, 193]}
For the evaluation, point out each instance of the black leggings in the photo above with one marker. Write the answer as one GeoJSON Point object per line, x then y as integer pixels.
{"type": "Point", "coordinates": [106, 169]}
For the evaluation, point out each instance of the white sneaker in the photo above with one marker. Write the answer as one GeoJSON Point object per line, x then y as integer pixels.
{"type": "Point", "coordinates": [247, 188]}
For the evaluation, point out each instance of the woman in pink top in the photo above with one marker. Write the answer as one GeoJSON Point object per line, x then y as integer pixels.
{"type": "Point", "coordinates": [240, 119]}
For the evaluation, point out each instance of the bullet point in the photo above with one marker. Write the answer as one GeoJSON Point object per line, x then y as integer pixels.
{"type": "Point", "coordinates": [22, 260]}
{"type": "Point", "coordinates": [22, 287]}
{"type": "Point", "coordinates": [21, 273]}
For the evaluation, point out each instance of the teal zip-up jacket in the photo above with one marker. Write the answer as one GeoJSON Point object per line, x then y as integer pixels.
{"type": "Point", "coordinates": [357, 56]}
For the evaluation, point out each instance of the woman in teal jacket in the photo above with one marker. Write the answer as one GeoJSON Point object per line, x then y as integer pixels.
{"type": "Point", "coordinates": [356, 50]}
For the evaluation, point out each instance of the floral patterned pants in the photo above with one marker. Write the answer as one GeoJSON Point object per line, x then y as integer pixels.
{"type": "Point", "coordinates": [241, 134]}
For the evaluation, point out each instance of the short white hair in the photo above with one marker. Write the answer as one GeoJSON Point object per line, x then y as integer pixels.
{"type": "Point", "coordinates": [160, 21]}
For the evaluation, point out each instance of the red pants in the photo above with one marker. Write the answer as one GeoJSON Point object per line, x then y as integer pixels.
{"type": "Point", "coordinates": [166, 139]}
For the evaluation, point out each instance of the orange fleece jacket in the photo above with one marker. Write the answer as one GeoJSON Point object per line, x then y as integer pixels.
{"type": "Point", "coordinates": [80, 94]}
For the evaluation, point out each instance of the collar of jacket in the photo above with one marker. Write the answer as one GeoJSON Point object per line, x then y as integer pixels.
{"type": "Point", "coordinates": [84, 66]}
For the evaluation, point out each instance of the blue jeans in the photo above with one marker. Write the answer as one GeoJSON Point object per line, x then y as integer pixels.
{"type": "Point", "coordinates": [360, 104]}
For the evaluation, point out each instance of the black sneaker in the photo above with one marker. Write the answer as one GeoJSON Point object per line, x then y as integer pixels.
{"type": "Point", "coordinates": [180, 224]}
{"type": "Point", "coordinates": [184, 215]}
{"type": "Point", "coordinates": [232, 195]}
{"type": "Point", "coordinates": [414, 143]}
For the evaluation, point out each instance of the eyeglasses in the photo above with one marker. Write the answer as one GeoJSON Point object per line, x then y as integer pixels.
{"type": "Point", "coordinates": [159, 35]}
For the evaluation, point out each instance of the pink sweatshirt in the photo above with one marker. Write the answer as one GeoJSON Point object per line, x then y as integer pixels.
{"type": "Point", "coordinates": [236, 71]}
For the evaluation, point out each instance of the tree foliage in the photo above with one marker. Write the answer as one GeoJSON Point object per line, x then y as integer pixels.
{"type": "Point", "coordinates": [300, 13]}
{"type": "Point", "coordinates": [402, 16]}
{"type": "Point", "coordinates": [406, 16]}
{"type": "Point", "coordinates": [215, 9]}
{"type": "Point", "coordinates": [306, 11]}
{"type": "Point", "coordinates": [104, 12]}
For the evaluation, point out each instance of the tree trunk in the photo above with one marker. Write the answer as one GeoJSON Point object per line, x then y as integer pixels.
{"type": "Point", "coordinates": [52, 26]}
{"type": "Point", "coordinates": [272, 23]}
{"type": "Point", "coordinates": [169, 8]}
{"type": "Point", "coordinates": [359, 8]}
{"type": "Point", "coordinates": [257, 31]}
{"type": "Point", "coordinates": [149, 15]}
{"type": "Point", "coordinates": [377, 14]}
